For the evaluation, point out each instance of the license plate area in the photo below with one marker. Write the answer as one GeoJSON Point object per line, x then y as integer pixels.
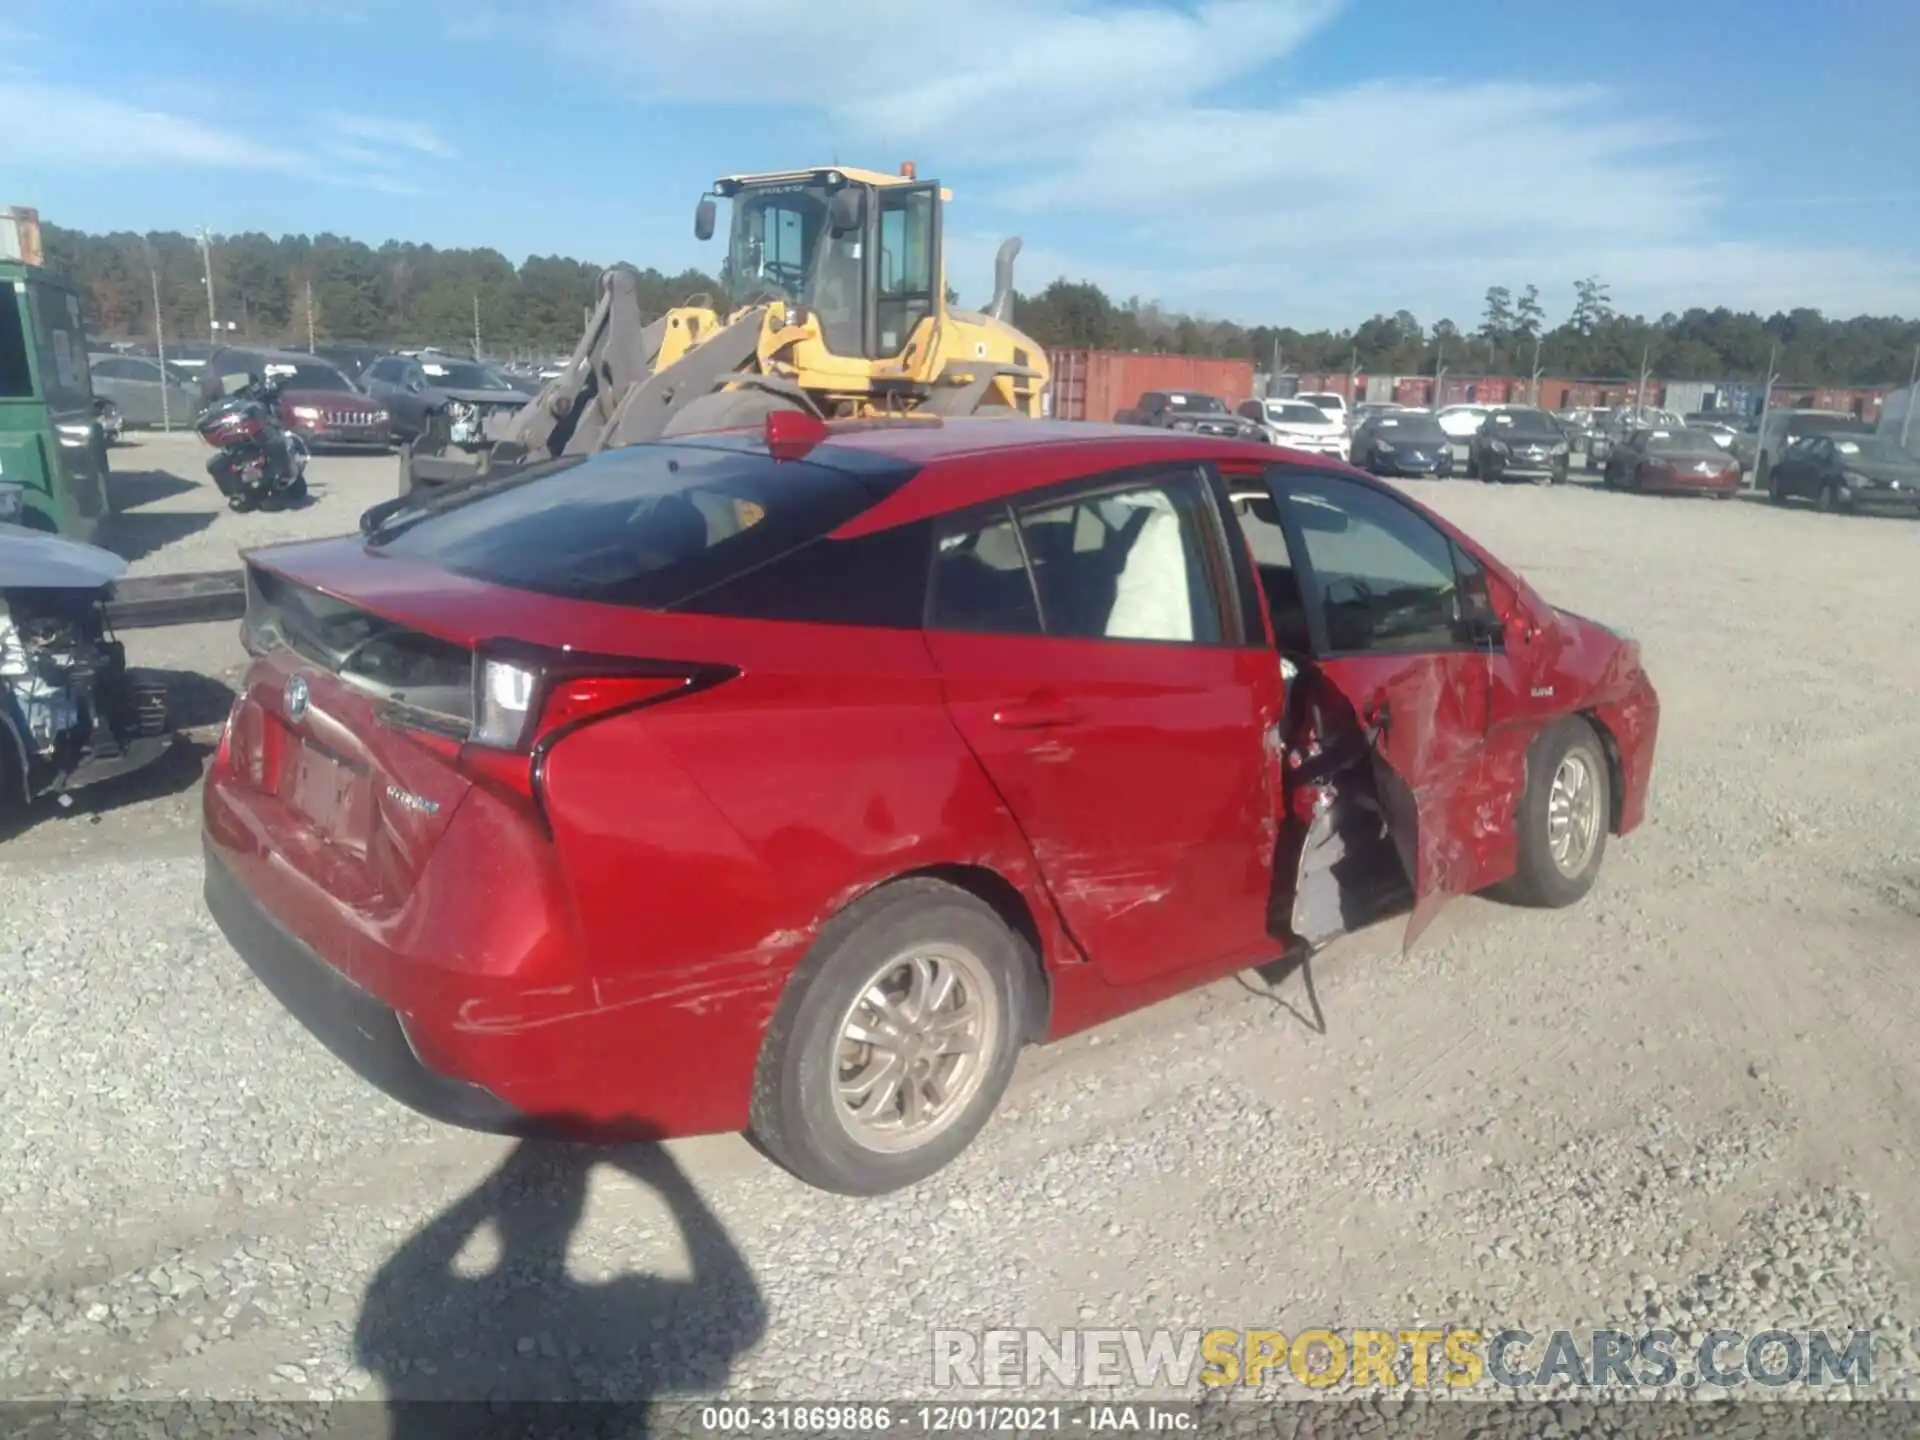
{"type": "Point", "coordinates": [335, 798]}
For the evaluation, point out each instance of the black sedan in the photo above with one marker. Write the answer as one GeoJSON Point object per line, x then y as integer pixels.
{"type": "Point", "coordinates": [1403, 442]}
{"type": "Point", "coordinates": [1516, 442]}
{"type": "Point", "coordinates": [1846, 472]}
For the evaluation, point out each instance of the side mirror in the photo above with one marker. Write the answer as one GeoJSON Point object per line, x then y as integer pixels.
{"type": "Point", "coordinates": [703, 218]}
{"type": "Point", "coordinates": [846, 211]}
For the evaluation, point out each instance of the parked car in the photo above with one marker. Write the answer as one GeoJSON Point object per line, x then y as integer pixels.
{"type": "Point", "coordinates": [146, 393]}
{"type": "Point", "coordinates": [1333, 403]}
{"type": "Point", "coordinates": [1408, 442]}
{"type": "Point", "coordinates": [1780, 428]}
{"type": "Point", "coordinates": [71, 711]}
{"type": "Point", "coordinates": [1367, 409]}
{"type": "Point", "coordinates": [1745, 445]}
{"type": "Point", "coordinates": [1719, 428]}
{"type": "Point", "coordinates": [1672, 460]}
{"type": "Point", "coordinates": [1461, 421]}
{"type": "Point", "coordinates": [350, 357]}
{"type": "Point", "coordinates": [1298, 425]}
{"type": "Point", "coordinates": [1190, 411]}
{"type": "Point", "coordinates": [1844, 471]}
{"type": "Point", "coordinates": [716, 783]}
{"type": "Point", "coordinates": [476, 401]}
{"type": "Point", "coordinates": [316, 400]}
{"type": "Point", "coordinates": [1619, 424]}
{"type": "Point", "coordinates": [1516, 442]}
{"type": "Point", "coordinates": [1578, 424]}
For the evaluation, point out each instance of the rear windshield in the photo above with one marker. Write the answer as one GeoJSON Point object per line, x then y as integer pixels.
{"type": "Point", "coordinates": [650, 525]}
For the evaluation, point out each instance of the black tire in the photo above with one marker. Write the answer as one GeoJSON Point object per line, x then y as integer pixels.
{"type": "Point", "coordinates": [1763, 474]}
{"type": "Point", "coordinates": [727, 410]}
{"type": "Point", "coordinates": [796, 1116]}
{"type": "Point", "coordinates": [1473, 465]}
{"type": "Point", "coordinates": [1776, 492]}
{"type": "Point", "coordinates": [1540, 881]}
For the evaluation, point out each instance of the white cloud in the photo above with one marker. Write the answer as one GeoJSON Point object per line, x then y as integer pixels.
{"type": "Point", "coordinates": [413, 135]}
{"type": "Point", "coordinates": [1107, 137]}
{"type": "Point", "coordinates": [79, 127]}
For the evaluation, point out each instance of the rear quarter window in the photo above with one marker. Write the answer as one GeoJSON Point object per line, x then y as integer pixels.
{"type": "Point", "coordinates": [654, 526]}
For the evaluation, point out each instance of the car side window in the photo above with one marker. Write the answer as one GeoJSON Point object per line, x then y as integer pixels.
{"type": "Point", "coordinates": [1384, 580]}
{"type": "Point", "coordinates": [980, 582]}
{"type": "Point", "coordinates": [111, 370]}
{"type": "Point", "coordinates": [1126, 564]}
{"type": "Point", "coordinates": [1259, 520]}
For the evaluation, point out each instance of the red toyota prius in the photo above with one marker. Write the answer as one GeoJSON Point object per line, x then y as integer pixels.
{"type": "Point", "coordinates": [792, 781]}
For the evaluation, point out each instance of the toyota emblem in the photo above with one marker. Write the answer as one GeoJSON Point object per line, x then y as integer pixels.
{"type": "Point", "coordinates": [297, 698]}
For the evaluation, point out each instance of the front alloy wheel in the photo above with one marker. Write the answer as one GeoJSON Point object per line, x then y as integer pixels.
{"type": "Point", "coordinates": [1561, 830]}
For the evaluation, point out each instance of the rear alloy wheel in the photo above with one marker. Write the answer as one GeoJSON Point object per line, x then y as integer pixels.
{"type": "Point", "coordinates": [1828, 501]}
{"type": "Point", "coordinates": [1563, 820]}
{"type": "Point", "coordinates": [894, 1041]}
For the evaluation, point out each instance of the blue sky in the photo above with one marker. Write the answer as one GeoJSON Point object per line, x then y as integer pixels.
{"type": "Point", "coordinates": [1307, 162]}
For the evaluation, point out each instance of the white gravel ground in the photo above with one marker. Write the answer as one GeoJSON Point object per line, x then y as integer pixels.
{"type": "Point", "coordinates": [1683, 1102]}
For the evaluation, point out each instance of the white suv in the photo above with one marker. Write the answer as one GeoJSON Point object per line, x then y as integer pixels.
{"type": "Point", "coordinates": [1297, 425]}
{"type": "Point", "coordinates": [1334, 405]}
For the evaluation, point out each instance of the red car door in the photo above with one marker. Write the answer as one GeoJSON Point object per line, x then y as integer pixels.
{"type": "Point", "coordinates": [1392, 636]}
{"type": "Point", "coordinates": [1089, 650]}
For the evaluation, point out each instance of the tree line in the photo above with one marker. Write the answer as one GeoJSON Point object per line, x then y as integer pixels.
{"type": "Point", "coordinates": [281, 290]}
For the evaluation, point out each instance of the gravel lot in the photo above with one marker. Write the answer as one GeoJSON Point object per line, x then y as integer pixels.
{"type": "Point", "coordinates": [1681, 1102]}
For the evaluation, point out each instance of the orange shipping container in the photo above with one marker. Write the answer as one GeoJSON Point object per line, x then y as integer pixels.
{"type": "Point", "coordinates": [1099, 384]}
{"type": "Point", "coordinates": [1413, 390]}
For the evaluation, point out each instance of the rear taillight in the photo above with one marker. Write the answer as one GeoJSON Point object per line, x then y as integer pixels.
{"type": "Point", "coordinates": [524, 702]}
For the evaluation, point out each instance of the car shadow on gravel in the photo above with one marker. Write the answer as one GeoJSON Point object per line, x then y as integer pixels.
{"type": "Point", "coordinates": [133, 488]}
{"type": "Point", "coordinates": [134, 535]}
{"type": "Point", "coordinates": [523, 1334]}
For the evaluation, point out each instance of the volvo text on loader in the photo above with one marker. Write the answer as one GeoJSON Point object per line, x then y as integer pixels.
{"type": "Point", "coordinates": [836, 306]}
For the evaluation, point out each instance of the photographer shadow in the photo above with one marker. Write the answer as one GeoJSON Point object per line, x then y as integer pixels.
{"type": "Point", "coordinates": [467, 1349]}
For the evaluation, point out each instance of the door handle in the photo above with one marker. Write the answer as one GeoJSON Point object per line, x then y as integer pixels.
{"type": "Point", "coordinates": [1041, 712]}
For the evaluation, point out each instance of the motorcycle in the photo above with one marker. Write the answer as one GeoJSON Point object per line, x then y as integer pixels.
{"type": "Point", "coordinates": [258, 463]}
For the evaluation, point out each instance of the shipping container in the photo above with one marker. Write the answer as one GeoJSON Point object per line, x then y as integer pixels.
{"type": "Point", "coordinates": [1684, 397]}
{"type": "Point", "coordinates": [1554, 394]}
{"type": "Point", "coordinates": [1099, 384]}
{"type": "Point", "coordinates": [1380, 388]}
{"type": "Point", "coordinates": [1414, 390]}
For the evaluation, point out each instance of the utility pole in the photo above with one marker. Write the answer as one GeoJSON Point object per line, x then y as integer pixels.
{"type": "Point", "coordinates": [206, 265]}
{"type": "Point", "coordinates": [310, 349]}
{"type": "Point", "coordinates": [1640, 391]}
{"type": "Point", "coordinates": [1913, 394]}
{"type": "Point", "coordinates": [1766, 403]}
{"type": "Point", "coordinates": [476, 325]}
{"type": "Point", "coordinates": [1439, 370]}
{"type": "Point", "coordinates": [1353, 376]}
{"type": "Point", "coordinates": [159, 341]}
{"type": "Point", "coordinates": [1536, 368]}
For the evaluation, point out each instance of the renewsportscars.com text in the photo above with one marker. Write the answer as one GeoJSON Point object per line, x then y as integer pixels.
{"type": "Point", "coordinates": [1420, 1356]}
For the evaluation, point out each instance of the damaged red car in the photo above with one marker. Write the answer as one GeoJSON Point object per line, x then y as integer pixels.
{"type": "Point", "coordinates": [793, 780]}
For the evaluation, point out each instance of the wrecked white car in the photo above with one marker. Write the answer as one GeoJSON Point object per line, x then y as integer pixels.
{"type": "Point", "coordinates": [71, 712]}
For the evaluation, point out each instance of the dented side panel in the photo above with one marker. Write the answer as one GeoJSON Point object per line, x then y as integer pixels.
{"type": "Point", "coordinates": [1140, 775]}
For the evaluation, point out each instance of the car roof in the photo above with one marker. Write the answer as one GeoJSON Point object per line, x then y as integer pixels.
{"type": "Point", "coordinates": [1031, 455]}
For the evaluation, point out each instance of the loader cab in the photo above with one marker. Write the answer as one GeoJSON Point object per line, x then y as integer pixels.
{"type": "Point", "coordinates": [858, 251]}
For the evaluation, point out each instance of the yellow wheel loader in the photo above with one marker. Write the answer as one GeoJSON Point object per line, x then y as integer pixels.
{"type": "Point", "coordinates": [837, 292]}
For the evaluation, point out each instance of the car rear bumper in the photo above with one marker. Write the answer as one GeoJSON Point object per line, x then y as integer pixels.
{"type": "Point", "coordinates": [355, 1025]}
{"type": "Point", "coordinates": [478, 1004]}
